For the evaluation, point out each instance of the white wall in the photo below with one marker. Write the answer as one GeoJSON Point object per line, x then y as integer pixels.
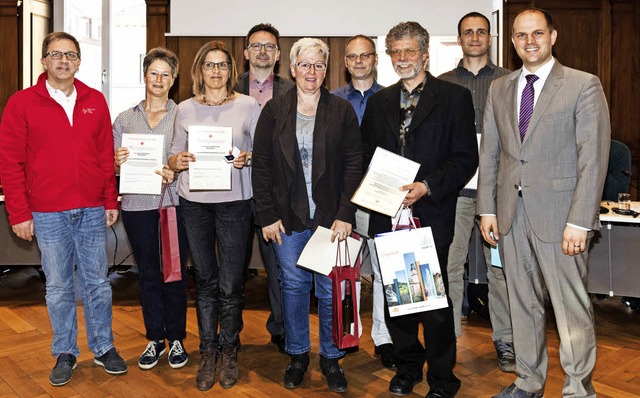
{"type": "Point", "coordinates": [319, 17]}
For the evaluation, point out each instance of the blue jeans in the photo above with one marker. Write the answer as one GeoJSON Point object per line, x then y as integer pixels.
{"type": "Point", "coordinates": [220, 289]}
{"type": "Point", "coordinates": [68, 238]}
{"type": "Point", "coordinates": [296, 284]}
{"type": "Point", "coordinates": [164, 305]}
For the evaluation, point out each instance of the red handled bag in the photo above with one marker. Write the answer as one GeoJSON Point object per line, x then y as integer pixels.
{"type": "Point", "coordinates": [169, 246]}
{"type": "Point", "coordinates": [345, 309]}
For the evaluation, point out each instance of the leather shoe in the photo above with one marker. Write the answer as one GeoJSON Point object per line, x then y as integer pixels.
{"type": "Point", "coordinates": [278, 341]}
{"type": "Point", "coordinates": [385, 353]}
{"type": "Point", "coordinates": [334, 374]}
{"type": "Point", "coordinates": [402, 384]}
{"type": "Point", "coordinates": [439, 392]}
{"type": "Point", "coordinates": [228, 367]}
{"type": "Point", "coordinates": [206, 375]}
{"type": "Point", "coordinates": [294, 374]}
{"type": "Point", "coordinates": [514, 392]}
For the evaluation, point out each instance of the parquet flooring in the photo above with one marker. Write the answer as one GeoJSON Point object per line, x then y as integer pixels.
{"type": "Point", "coordinates": [25, 360]}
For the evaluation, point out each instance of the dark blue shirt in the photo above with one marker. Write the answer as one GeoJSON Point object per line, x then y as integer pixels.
{"type": "Point", "coordinates": [355, 97]}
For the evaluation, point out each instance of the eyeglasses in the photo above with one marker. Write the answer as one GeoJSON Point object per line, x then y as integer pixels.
{"type": "Point", "coordinates": [57, 55]}
{"type": "Point", "coordinates": [408, 52]}
{"type": "Point", "coordinates": [306, 66]}
{"type": "Point", "coordinates": [259, 46]}
{"type": "Point", "coordinates": [221, 65]}
{"type": "Point", "coordinates": [363, 56]}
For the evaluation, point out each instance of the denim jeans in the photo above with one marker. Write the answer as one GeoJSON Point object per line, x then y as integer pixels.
{"type": "Point", "coordinates": [69, 238]}
{"type": "Point", "coordinates": [164, 305]}
{"type": "Point", "coordinates": [296, 285]}
{"type": "Point", "coordinates": [219, 277]}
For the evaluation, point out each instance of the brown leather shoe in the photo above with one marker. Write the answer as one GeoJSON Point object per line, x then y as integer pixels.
{"type": "Point", "coordinates": [229, 367]}
{"type": "Point", "coordinates": [206, 376]}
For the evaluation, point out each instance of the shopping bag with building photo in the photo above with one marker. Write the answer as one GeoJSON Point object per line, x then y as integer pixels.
{"type": "Point", "coordinates": [410, 271]}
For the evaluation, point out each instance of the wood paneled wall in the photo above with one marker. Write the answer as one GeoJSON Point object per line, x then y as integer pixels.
{"type": "Point", "coordinates": [186, 48]}
{"type": "Point", "coordinates": [11, 67]}
{"type": "Point", "coordinates": [600, 37]}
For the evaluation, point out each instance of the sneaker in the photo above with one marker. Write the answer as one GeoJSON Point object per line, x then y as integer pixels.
{"type": "Point", "coordinates": [151, 354]}
{"type": "Point", "coordinates": [61, 373]}
{"type": "Point", "coordinates": [514, 392]}
{"type": "Point", "coordinates": [112, 362]}
{"type": "Point", "coordinates": [294, 374]}
{"type": "Point", "coordinates": [334, 374]}
{"type": "Point", "coordinates": [506, 356]}
{"type": "Point", "coordinates": [177, 355]}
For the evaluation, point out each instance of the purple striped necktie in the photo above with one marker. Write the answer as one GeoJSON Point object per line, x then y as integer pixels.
{"type": "Point", "coordinates": [526, 105]}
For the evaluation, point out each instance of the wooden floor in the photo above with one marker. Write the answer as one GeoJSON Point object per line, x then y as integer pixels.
{"type": "Point", "coordinates": [25, 360]}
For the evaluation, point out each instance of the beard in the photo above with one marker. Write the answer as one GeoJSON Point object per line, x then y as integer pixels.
{"type": "Point", "coordinates": [403, 70]}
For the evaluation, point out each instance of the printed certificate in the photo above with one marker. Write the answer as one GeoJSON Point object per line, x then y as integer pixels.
{"type": "Point", "coordinates": [138, 173]}
{"type": "Point", "coordinates": [380, 190]}
{"type": "Point", "coordinates": [210, 171]}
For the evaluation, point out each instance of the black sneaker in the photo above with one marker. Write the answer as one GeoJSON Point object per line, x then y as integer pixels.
{"type": "Point", "coordinates": [294, 374]}
{"type": "Point", "coordinates": [112, 362]}
{"type": "Point", "coordinates": [334, 374]}
{"type": "Point", "coordinates": [177, 355]}
{"type": "Point", "coordinates": [151, 354]}
{"type": "Point", "coordinates": [61, 373]}
{"type": "Point", "coordinates": [506, 356]}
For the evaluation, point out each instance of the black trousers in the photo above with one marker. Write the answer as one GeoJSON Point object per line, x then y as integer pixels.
{"type": "Point", "coordinates": [439, 348]}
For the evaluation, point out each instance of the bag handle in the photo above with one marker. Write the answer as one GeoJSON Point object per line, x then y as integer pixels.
{"type": "Point", "coordinates": [165, 188]}
{"type": "Point", "coordinates": [347, 256]}
{"type": "Point", "coordinates": [412, 223]}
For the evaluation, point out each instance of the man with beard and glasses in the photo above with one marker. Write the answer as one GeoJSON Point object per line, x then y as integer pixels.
{"type": "Point", "coordinates": [429, 121]}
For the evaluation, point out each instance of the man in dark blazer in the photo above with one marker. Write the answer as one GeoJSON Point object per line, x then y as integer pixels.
{"type": "Point", "coordinates": [262, 50]}
{"type": "Point", "coordinates": [543, 160]}
{"type": "Point", "coordinates": [429, 121]}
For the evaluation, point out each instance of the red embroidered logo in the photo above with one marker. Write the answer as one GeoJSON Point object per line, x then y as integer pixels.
{"type": "Point", "coordinates": [88, 110]}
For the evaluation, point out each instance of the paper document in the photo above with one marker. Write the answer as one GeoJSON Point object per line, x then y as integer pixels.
{"type": "Point", "coordinates": [138, 173]}
{"type": "Point", "coordinates": [380, 190]}
{"type": "Point", "coordinates": [210, 171]}
{"type": "Point", "coordinates": [319, 255]}
{"type": "Point", "coordinates": [473, 182]}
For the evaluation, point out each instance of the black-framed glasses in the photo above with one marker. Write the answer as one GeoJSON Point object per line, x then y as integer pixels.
{"type": "Point", "coordinates": [408, 52]}
{"type": "Point", "coordinates": [363, 56]}
{"type": "Point", "coordinates": [208, 65]}
{"type": "Point", "coordinates": [57, 55]}
{"type": "Point", "coordinates": [259, 46]}
{"type": "Point", "coordinates": [306, 66]}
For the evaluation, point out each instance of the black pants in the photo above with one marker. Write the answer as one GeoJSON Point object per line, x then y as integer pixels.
{"type": "Point", "coordinates": [439, 348]}
{"type": "Point", "coordinates": [164, 305]}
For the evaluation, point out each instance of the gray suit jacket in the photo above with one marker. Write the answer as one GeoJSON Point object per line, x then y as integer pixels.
{"type": "Point", "coordinates": [560, 165]}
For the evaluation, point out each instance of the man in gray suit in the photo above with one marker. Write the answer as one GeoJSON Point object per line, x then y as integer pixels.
{"type": "Point", "coordinates": [543, 160]}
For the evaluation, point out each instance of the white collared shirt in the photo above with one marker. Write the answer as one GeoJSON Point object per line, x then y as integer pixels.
{"type": "Point", "coordinates": [542, 73]}
{"type": "Point", "coordinates": [67, 103]}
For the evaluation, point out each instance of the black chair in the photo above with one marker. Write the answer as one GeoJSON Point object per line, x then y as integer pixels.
{"type": "Point", "coordinates": [618, 171]}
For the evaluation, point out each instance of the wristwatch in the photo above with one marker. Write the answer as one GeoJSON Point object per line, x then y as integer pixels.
{"type": "Point", "coordinates": [427, 185]}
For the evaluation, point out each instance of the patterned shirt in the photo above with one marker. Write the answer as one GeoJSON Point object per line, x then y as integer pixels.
{"type": "Point", "coordinates": [408, 104]}
{"type": "Point", "coordinates": [134, 121]}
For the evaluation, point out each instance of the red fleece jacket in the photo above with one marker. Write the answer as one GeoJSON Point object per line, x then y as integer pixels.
{"type": "Point", "coordinates": [47, 165]}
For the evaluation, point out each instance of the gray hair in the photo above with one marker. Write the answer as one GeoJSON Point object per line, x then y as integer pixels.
{"type": "Point", "coordinates": [306, 45]}
{"type": "Point", "coordinates": [406, 30]}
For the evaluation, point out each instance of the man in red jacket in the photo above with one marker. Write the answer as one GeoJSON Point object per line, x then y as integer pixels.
{"type": "Point", "coordinates": [57, 175]}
